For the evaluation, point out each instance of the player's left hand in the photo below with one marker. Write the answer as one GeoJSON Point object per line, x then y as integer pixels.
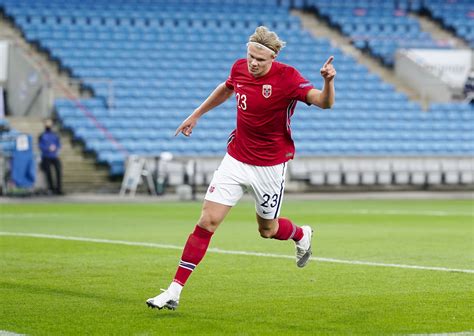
{"type": "Point", "coordinates": [328, 72]}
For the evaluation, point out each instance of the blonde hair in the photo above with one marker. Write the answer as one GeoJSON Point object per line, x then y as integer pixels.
{"type": "Point", "coordinates": [268, 39]}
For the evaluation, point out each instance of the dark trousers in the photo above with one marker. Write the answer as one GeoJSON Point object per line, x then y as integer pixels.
{"type": "Point", "coordinates": [46, 164]}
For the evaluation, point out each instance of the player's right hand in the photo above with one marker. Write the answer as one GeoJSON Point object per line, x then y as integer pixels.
{"type": "Point", "coordinates": [186, 127]}
{"type": "Point", "coordinates": [327, 71]}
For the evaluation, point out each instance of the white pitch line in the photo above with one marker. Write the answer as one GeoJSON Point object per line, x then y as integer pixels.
{"type": "Point", "coordinates": [9, 333]}
{"type": "Point", "coordinates": [394, 212]}
{"type": "Point", "coordinates": [462, 333]}
{"type": "Point", "coordinates": [429, 213]}
{"type": "Point", "coordinates": [246, 253]}
{"type": "Point", "coordinates": [31, 215]}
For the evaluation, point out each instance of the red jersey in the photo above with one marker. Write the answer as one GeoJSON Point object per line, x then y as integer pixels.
{"type": "Point", "coordinates": [264, 108]}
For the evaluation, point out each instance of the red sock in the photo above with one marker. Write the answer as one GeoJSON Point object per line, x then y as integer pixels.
{"type": "Point", "coordinates": [288, 230]}
{"type": "Point", "coordinates": [194, 251]}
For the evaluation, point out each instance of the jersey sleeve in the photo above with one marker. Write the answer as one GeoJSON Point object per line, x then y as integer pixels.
{"type": "Point", "coordinates": [299, 86]}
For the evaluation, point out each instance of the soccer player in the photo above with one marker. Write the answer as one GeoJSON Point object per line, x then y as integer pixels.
{"type": "Point", "coordinates": [266, 93]}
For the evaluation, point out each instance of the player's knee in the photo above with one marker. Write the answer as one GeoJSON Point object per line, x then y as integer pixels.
{"type": "Point", "coordinates": [266, 232]}
{"type": "Point", "coordinates": [208, 223]}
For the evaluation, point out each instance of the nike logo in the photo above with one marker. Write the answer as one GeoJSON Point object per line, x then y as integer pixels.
{"type": "Point", "coordinates": [266, 212]}
{"type": "Point", "coordinates": [239, 85]}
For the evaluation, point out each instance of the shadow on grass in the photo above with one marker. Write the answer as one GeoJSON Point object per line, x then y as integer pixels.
{"type": "Point", "coordinates": [36, 289]}
{"type": "Point", "coordinates": [119, 301]}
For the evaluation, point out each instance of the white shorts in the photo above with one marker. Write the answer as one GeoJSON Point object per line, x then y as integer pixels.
{"type": "Point", "coordinates": [265, 183]}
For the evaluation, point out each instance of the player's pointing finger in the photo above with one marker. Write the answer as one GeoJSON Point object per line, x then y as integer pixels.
{"type": "Point", "coordinates": [329, 61]}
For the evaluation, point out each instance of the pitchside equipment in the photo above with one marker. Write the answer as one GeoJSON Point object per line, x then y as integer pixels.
{"type": "Point", "coordinates": [137, 167]}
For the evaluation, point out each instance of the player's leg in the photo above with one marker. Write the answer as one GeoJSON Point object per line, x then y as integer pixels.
{"type": "Point", "coordinates": [194, 250]}
{"type": "Point", "coordinates": [282, 228]}
{"type": "Point", "coordinates": [268, 189]}
{"type": "Point", "coordinates": [196, 246]}
{"type": "Point", "coordinates": [46, 167]}
{"type": "Point", "coordinates": [223, 193]}
{"type": "Point", "coordinates": [58, 174]}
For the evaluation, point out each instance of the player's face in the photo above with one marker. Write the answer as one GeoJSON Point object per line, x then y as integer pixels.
{"type": "Point", "coordinates": [259, 61]}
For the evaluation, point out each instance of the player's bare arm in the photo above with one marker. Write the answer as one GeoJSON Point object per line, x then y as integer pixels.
{"type": "Point", "coordinates": [217, 97]}
{"type": "Point", "coordinates": [324, 98]}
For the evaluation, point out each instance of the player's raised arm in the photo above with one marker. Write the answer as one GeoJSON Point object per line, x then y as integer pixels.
{"type": "Point", "coordinates": [324, 98]}
{"type": "Point", "coordinates": [217, 97]}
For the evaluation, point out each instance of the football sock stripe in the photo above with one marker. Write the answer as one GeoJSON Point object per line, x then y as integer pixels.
{"type": "Point", "coordinates": [193, 252]}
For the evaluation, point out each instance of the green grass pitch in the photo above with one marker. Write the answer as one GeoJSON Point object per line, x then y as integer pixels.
{"type": "Point", "coordinates": [69, 287]}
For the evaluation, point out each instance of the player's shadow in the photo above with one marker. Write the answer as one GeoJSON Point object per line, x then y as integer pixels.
{"type": "Point", "coordinates": [53, 291]}
{"type": "Point", "coordinates": [165, 314]}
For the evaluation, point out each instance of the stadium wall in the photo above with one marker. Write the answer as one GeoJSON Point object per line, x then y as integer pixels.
{"type": "Point", "coordinates": [437, 75]}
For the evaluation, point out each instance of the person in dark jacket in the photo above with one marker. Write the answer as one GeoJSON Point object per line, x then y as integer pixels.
{"type": "Point", "coordinates": [50, 146]}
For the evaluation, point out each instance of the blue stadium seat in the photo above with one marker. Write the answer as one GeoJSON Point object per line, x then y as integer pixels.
{"type": "Point", "coordinates": [144, 51]}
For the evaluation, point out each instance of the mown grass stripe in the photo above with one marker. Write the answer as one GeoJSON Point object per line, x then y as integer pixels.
{"type": "Point", "coordinates": [246, 253]}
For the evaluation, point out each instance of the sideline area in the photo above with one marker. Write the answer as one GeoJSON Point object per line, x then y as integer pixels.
{"type": "Point", "coordinates": [172, 197]}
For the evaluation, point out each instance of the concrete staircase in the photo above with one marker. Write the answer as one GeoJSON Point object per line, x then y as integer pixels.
{"type": "Point", "coordinates": [59, 79]}
{"type": "Point", "coordinates": [319, 28]}
{"type": "Point", "coordinates": [80, 173]}
{"type": "Point", "coordinates": [437, 32]}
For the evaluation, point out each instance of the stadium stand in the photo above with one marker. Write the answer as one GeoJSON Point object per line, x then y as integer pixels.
{"type": "Point", "coordinates": [381, 27]}
{"type": "Point", "coordinates": [162, 58]}
{"type": "Point", "coordinates": [457, 16]}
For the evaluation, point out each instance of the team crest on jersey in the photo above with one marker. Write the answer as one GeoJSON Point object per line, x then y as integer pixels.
{"type": "Point", "coordinates": [267, 90]}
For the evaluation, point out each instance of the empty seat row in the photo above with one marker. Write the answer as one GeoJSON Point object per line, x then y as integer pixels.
{"type": "Point", "coordinates": [399, 171]}
{"type": "Point", "coordinates": [456, 15]}
{"type": "Point", "coordinates": [367, 22]}
{"type": "Point", "coordinates": [156, 88]}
